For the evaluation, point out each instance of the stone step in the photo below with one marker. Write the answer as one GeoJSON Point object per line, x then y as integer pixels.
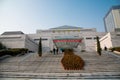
{"type": "Point", "coordinates": [49, 66]}
{"type": "Point", "coordinates": [104, 75]}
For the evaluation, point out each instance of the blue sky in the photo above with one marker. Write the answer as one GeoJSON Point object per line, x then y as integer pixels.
{"type": "Point", "coordinates": [30, 15]}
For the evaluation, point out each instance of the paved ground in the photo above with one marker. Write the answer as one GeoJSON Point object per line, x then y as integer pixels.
{"type": "Point", "coordinates": [31, 65]}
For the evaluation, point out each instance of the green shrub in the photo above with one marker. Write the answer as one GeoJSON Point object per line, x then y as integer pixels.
{"type": "Point", "coordinates": [112, 49]}
{"type": "Point", "coordinates": [21, 50]}
{"type": "Point", "coordinates": [40, 47]}
{"type": "Point", "coordinates": [115, 49]}
{"type": "Point", "coordinates": [2, 46]}
{"type": "Point", "coordinates": [70, 61]}
{"type": "Point", "coordinates": [98, 46]}
{"type": "Point", "coordinates": [14, 51]}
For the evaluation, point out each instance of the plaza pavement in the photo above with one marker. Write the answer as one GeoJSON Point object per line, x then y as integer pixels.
{"type": "Point", "coordinates": [49, 66]}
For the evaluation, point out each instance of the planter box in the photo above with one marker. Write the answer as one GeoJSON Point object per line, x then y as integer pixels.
{"type": "Point", "coordinates": [116, 52]}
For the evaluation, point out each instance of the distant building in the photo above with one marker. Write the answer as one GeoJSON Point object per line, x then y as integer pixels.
{"type": "Point", "coordinates": [112, 19]}
{"type": "Point", "coordinates": [17, 39]}
{"type": "Point", "coordinates": [112, 26]}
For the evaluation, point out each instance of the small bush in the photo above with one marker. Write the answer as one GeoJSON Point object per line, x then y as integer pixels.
{"type": "Point", "coordinates": [13, 52]}
{"type": "Point", "coordinates": [82, 50]}
{"type": "Point", "coordinates": [70, 61]}
{"type": "Point", "coordinates": [21, 50]}
{"type": "Point", "coordinates": [16, 51]}
{"type": "Point", "coordinates": [68, 52]}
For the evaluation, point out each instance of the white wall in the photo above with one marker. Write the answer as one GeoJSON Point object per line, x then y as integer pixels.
{"type": "Point", "coordinates": [30, 44]}
{"type": "Point", "coordinates": [116, 14]}
{"type": "Point", "coordinates": [90, 39]}
{"type": "Point", "coordinates": [115, 38]}
{"type": "Point", "coordinates": [18, 41]}
{"type": "Point", "coordinates": [12, 41]}
{"type": "Point", "coordinates": [106, 41]}
{"type": "Point", "coordinates": [87, 44]}
{"type": "Point", "coordinates": [111, 39]}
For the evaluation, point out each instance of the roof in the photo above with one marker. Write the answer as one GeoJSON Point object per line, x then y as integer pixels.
{"type": "Point", "coordinates": [116, 7]}
{"type": "Point", "coordinates": [67, 27]}
{"type": "Point", "coordinates": [12, 33]}
{"type": "Point", "coordinates": [112, 8]}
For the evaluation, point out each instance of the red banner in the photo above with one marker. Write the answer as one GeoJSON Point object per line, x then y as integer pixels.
{"type": "Point", "coordinates": [72, 40]}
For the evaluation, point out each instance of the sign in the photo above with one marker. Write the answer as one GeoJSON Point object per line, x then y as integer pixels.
{"type": "Point", "coordinates": [69, 40]}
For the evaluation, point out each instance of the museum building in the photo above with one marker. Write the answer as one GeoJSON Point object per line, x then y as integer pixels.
{"type": "Point", "coordinates": [59, 37]}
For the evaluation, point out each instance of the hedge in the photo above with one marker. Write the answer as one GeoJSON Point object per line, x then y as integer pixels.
{"type": "Point", "coordinates": [13, 52]}
{"type": "Point", "coordinates": [70, 61]}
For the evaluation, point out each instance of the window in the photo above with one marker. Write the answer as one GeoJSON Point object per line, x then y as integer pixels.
{"type": "Point", "coordinates": [95, 38]}
{"type": "Point", "coordinates": [44, 39]}
{"type": "Point", "coordinates": [9, 37]}
{"type": "Point", "coordinates": [36, 39]}
{"type": "Point", "coordinates": [76, 36]}
{"type": "Point", "coordinates": [39, 39]}
{"type": "Point", "coordinates": [88, 38]}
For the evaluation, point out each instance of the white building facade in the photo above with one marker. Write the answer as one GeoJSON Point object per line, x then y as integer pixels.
{"type": "Point", "coordinates": [88, 37]}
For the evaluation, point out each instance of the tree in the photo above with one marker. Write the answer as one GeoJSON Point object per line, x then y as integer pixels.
{"type": "Point", "coordinates": [2, 46]}
{"type": "Point", "coordinates": [40, 48]}
{"type": "Point", "coordinates": [98, 46]}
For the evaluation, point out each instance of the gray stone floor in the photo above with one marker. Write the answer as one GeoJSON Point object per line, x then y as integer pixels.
{"type": "Point", "coordinates": [50, 64]}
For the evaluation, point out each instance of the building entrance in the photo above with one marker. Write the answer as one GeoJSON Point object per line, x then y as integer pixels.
{"type": "Point", "coordinates": [67, 42]}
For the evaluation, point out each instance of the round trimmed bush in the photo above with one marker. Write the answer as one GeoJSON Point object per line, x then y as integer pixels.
{"type": "Point", "coordinates": [70, 61]}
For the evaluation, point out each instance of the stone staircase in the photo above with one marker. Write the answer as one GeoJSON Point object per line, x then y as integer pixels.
{"type": "Point", "coordinates": [105, 66]}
